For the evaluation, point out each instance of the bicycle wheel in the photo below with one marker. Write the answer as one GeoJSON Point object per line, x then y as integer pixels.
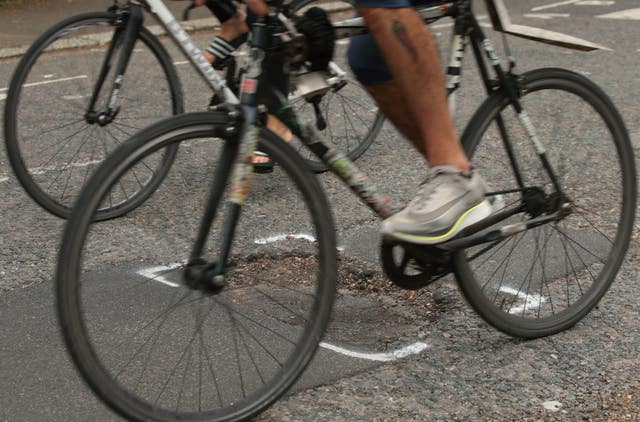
{"type": "Point", "coordinates": [52, 142]}
{"type": "Point", "coordinates": [352, 118]}
{"type": "Point", "coordinates": [154, 349]}
{"type": "Point", "coordinates": [544, 280]}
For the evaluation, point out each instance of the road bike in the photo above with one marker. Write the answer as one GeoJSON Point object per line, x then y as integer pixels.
{"type": "Point", "coordinates": [209, 300]}
{"type": "Point", "coordinates": [91, 81]}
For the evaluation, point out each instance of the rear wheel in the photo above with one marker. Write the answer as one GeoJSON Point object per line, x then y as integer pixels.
{"type": "Point", "coordinates": [152, 347]}
{"type": "Point", "coordinates": [352, 118]}
{"type": "Point", "coordinates": [545, 279]}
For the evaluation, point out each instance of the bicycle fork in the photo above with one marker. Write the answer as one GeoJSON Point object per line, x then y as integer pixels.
{"type": "Point", "coordinates": [234, 164]}
{"type": "Point", "coordinates": [126, 37]}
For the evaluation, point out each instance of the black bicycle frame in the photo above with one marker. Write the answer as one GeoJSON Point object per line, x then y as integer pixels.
{"type": "Point", "coordinates": [211, 275]}
{"type": "Point", "coordinates": [466, 29]}
{"type": "Point", "coordinates": [131, 15]}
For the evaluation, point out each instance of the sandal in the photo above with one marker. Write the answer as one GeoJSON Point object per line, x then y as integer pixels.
{"type": "Point", "coordinates": [277, 127]}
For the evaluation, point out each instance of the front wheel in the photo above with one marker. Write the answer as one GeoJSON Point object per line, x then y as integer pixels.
{"type": "Point", "coordinates": [152, 347]}
{"type": "Point", "coordinates": [544, 280]}
{"type": "Point", "coordinates": [54, 141]}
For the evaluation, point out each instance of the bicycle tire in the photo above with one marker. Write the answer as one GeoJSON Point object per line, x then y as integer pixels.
{"type": "Point", "coordinates": [74, 144]}
{"type": "Point", "coordinates": [361, 121]}
{"type": "Point", "coordinates": [577, 257]}
{"type": "Point", "coordinates": [105, 324]}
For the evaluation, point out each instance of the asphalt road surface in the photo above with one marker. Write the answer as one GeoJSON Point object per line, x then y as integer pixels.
{"type": "Point", "coordinates": [389, 354]}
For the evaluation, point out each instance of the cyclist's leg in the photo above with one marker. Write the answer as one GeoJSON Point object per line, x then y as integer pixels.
{"type": "Point", "coordinates": [415, 85]}
{"type": "Point", "coordinates": [453, 196]}
{"type": "Point", "coordinates": [233, 28]}
{"type": "Point", "coordinates": [368, 65]}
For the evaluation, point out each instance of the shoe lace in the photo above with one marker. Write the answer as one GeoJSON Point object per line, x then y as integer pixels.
{"type": "Point", "coordinates": [428, 189]}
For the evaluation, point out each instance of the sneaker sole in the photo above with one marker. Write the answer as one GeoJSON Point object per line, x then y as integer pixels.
{"type": "Point", "coordinates": [477, 213]}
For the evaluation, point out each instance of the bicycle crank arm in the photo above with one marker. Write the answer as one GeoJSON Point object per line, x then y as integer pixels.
{"type": "Point", "coordinates": [499, 234]}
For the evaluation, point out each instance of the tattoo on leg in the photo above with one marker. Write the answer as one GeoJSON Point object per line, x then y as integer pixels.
{"type": "Point", "coordinates": [401, 34]}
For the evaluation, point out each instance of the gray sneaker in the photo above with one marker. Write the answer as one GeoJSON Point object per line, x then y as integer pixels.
{"type": "Point", "coordinates": [448, 201]}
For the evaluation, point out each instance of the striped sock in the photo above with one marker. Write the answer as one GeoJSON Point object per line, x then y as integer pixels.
{"type": "Point", "coordinates": [220, 48]}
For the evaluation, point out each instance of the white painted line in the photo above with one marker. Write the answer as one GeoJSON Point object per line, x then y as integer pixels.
{"type": "Point", "coordinates": [280, 237]}
{"type": "Point", "coordinates": [3, 179]}
{"type": "Point", "coordinates": [412, 349]}
{"type": "Point", "coordinates": [3, 96]}
{"type": "Point", "coordinates": [595, 3]}
{"type": "Point", "coordinates": [530, 301]}
{"type": "Point", "coordinates": [552, 5]}
{"type": "Point", "coordinates": [546, 15]}
{"type": "Point", "coordinates": [43, 170]}
{"type": "Point", "coordinates": [55, 81]}
{"type": "Point", "coordinates": [75, 97]}
{"type": "Point", "coordinates": [154, 273]}
{"type": "Point", "coordinates": [181, 62]}
{"type": "Point", "coordinates": [630, 14]}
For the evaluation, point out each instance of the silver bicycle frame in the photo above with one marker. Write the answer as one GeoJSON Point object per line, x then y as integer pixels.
{"type": "Point", "coordinates": [193, 53]}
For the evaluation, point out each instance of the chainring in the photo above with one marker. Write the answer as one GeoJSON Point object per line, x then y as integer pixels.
{"type": "Point", "coordinates": [411, 266]}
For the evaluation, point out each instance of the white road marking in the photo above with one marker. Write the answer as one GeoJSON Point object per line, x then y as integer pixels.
{"type": "Point", "coordinates": [403, 352]}
{"type": "Point", "coordinates": [3, 96]}
{"type": "Point", "coordinates": [552, 5]}
{"type": "Point", "coordinates": [595, 3]}
{"type": "Point", "coordinates": [46, 169]}
{"type": "Point", "coordinates": [530, 301]}
{"type": "Point", "coordinates": [154, 273]}
{"type": "Point", "coordinates": [181, 62]}
{"type": "Point", "coordinates": [280, 237]}
{"type": "Point", "coordinates": [75, 97]}
{"type": "Point", "coordinates": [546, 15]}
{"type": "Point", "coordinates": [630, 14]}
{"type": "Point", "coordinates": [52, 81]}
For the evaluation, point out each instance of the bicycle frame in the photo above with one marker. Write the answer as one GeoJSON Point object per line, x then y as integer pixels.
{"type": "Point", "coordinates": [466, 29]}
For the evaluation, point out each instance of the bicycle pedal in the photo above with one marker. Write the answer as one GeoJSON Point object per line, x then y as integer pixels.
{"type": "Point", "coordinates": [410, 266]}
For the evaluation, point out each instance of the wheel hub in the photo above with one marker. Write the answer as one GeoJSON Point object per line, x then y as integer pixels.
{"type": "Point", "coordinates": [201, 275]}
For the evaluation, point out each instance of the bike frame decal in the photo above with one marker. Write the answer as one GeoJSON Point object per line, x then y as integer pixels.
{"type": "Point", "coordinates": [454, 70]}
{"type": "Point", "coordinates": [168, 21]}
{"type": "Point", "coordinates": [344, 168]}
{"type": "Point", "coordinates": [242, 170]}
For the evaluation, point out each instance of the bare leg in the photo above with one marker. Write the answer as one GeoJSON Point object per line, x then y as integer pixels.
{"type": "Point", "coordinates": [389, 99]}
{"type": "Point", "coordinates": [412, 57]}
{"type": "Point", "coordinates": [229, 30]}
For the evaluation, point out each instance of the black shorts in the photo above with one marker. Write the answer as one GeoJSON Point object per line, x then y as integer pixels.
{"type": "Point", "coordinates": [363, 54]}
